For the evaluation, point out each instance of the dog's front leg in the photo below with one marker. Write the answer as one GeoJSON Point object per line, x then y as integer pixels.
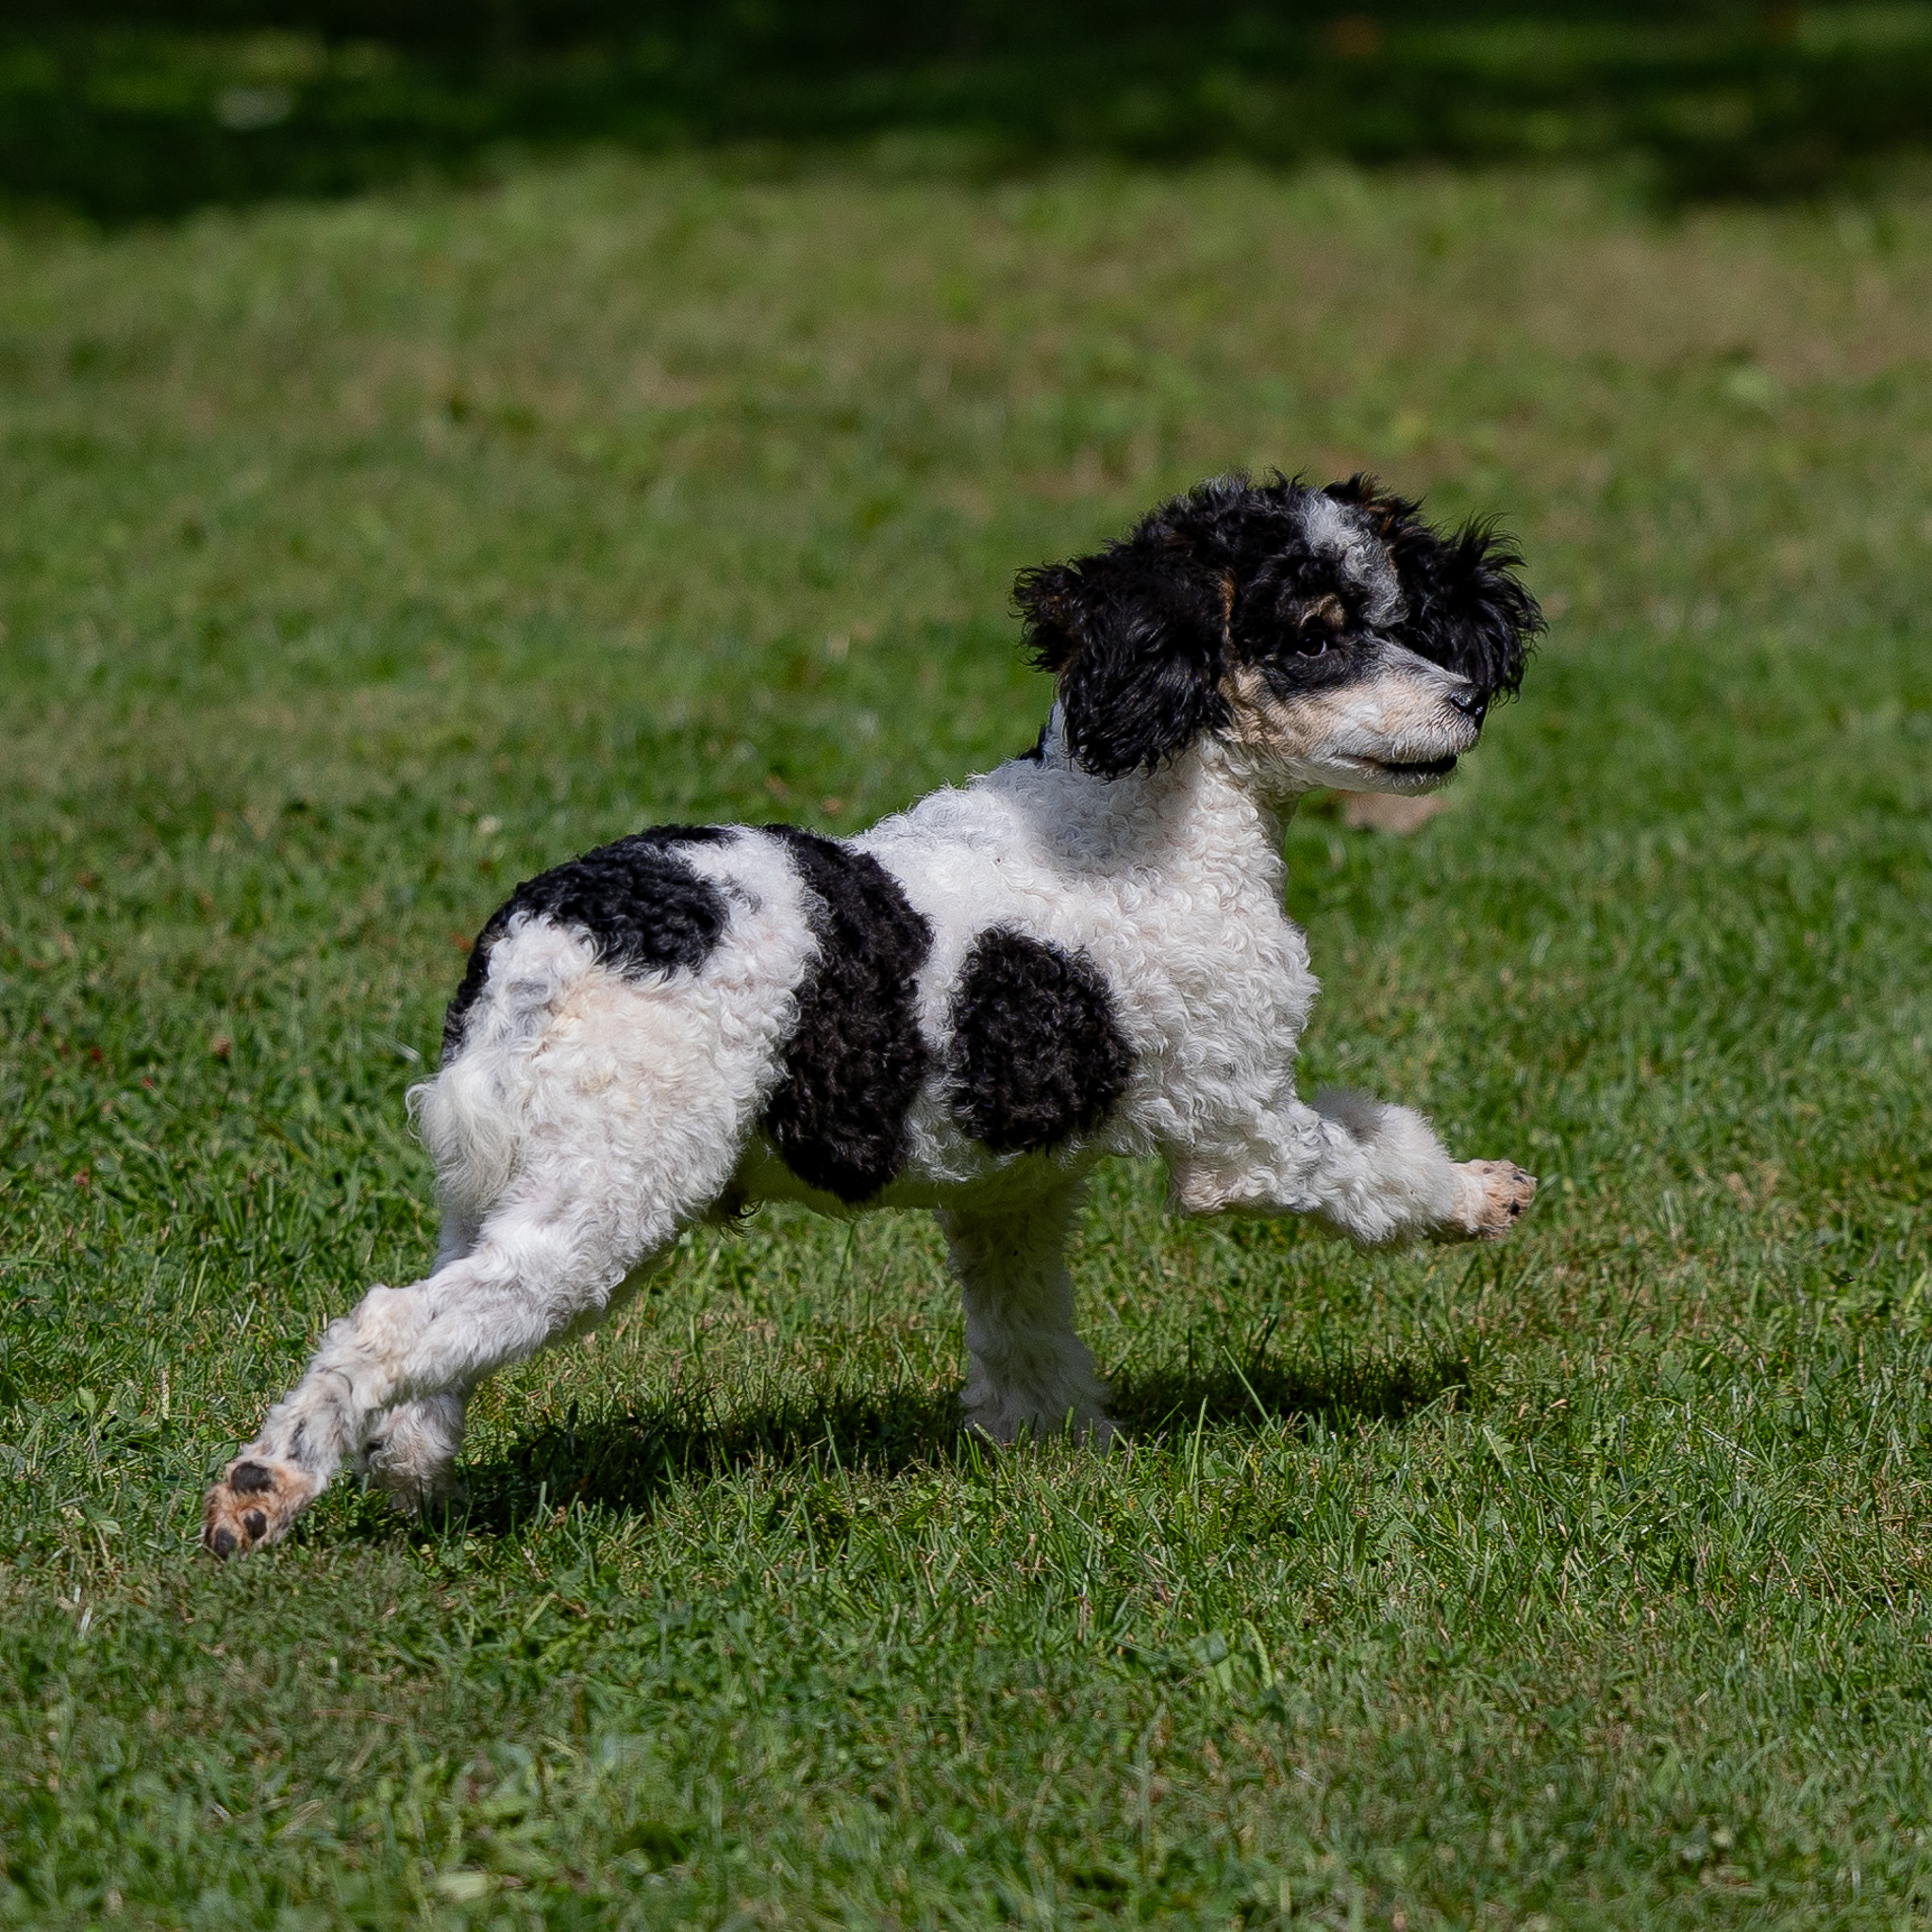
{"type": "Point", "coordinates": [1371, 1170]}
{"type": "Point", "coordinates": [1031, 1373]}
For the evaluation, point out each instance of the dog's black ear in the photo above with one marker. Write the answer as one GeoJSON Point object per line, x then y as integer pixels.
{"type": "Point", "coordinates": [1467, 609]}
{"type": "Point", "coordinates": [1137, 639]}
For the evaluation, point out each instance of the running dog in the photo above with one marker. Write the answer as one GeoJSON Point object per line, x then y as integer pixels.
{"type": "Point", "coordinates": [1083, 953]}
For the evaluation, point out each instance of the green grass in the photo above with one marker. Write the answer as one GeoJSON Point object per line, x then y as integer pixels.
{"type": "Point", "coordinates": [356, 562]}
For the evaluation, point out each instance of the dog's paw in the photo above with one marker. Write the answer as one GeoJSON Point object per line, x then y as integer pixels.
{"type": "Point", "coordinates": [411, 1497]}
{"type": "Point", "coordinates": [254, 1504]}
{"type": "Point", "coordinates": [1493, 1194]}
{"type": "Point", "coordinates": [1007, 1427]}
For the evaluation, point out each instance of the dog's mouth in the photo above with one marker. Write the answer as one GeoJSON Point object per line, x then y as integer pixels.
{"type": "Point", "coordinates": [1421, 769]}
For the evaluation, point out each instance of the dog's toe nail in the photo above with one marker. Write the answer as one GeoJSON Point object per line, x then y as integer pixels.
{"type": "Point", "coordinates": [250, 1478]}
{"type": "Point", "coordinates": [256, 1523]}
{"type": "Point", "coordinates": [223, 1543]}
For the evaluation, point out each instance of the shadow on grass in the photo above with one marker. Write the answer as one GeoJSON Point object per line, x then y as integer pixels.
{"type": "Point", "coordinates": [623, 1462]}
{"type": "Point", "coordinates": [138, 109]}
{"type": "Point", "coordinates": [1334, 1391]}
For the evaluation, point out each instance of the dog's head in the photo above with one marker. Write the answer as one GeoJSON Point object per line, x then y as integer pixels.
{"type": "Point", "coordinates": [1330, 633]}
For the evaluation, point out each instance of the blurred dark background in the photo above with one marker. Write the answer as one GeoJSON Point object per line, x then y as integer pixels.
{"type": "Point", "coordinates": [125, 110]}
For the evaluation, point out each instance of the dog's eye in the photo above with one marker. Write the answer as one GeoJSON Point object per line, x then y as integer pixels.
{"type": "Point", "coordinates": [1319, 627]}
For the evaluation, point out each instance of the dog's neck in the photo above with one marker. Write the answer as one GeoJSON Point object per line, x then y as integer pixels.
{"type": "Point", "coordinates": [1207, 804]}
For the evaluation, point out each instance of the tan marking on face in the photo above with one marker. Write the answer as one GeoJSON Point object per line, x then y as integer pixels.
{"type": "Point", "coordinates": [1263, 721]}
{"type": "Point", "coordinates": [1394, 716]}
{"type": "Point", "coordinates": [1386, 716]}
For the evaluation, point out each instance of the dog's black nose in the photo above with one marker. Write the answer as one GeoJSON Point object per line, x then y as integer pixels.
{"type": "Point", "coordinates": [1470, 703]}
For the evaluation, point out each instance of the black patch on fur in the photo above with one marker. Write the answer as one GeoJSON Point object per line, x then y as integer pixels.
{"type": "Point", "coordinates": [1141, 635]}
{"type": "Point", "coordinates": [250, 1478]}
{"type": "Point", "coordinates": [1467, 610]}
{"type": "Point", "coordinates": [224, 1542]}
{"type": "Point", "coordinates": [643, 909]}
{"type": "Point", "coordinates": [1037, 1055]}
{"type": "Point", "coordinates": [1136, 641]}
{"type": "Point", "coordinates": [256, 1523]}
{"type": "Point", "coordinates": [855, 1061]}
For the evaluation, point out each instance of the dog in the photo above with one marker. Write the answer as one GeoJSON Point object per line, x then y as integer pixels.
{"type": "Point", "coordinates": [1082, 953]}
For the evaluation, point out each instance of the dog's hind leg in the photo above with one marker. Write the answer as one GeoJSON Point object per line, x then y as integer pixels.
{"type": "Point", "coordinates": [1031, 1373]}
{"type": "Point", "coordinates": [583, 1119]}
{"type": "Point", "coordinates": [542, 1267]}
{"type": "Point", "coordinates": [412, 1450]}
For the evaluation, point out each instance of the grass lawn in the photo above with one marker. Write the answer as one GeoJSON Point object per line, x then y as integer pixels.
{"type": "Point", "coordinates": [356, 562]}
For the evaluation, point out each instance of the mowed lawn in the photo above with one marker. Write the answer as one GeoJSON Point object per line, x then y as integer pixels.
{"type": "Point", "coordinates": [356, 561]}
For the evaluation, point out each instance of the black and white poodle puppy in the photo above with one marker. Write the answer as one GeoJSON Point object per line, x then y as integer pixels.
{"type": "Point", "coordinates": [1080, 953]}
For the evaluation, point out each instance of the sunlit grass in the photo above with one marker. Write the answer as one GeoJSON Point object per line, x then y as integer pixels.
{"type": "Point", "coordinates": [356, 562]}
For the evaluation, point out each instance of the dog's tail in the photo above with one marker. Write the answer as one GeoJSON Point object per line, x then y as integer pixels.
{"type": "Point", "coordinates": [474, 1115]}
